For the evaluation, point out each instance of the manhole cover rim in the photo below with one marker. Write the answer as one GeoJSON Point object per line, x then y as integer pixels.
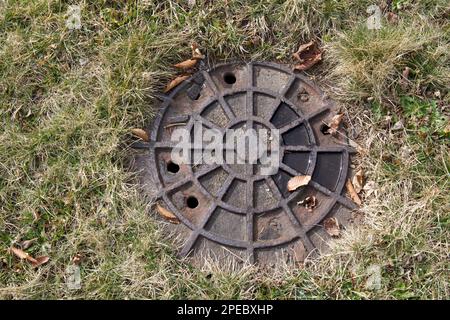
{"type": "Point", "coordinates": [283, 204]}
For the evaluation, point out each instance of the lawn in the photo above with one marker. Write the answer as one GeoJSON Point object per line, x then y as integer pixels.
{"type": "Point", "coordinates": [70, 94]}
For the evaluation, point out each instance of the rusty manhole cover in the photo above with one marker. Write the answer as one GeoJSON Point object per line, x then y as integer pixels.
{"type": "Point", "coordinates": [232, 210]}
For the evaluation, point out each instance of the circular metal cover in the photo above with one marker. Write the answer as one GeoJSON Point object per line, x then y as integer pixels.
{"type": "Point", "coordinates": [232, 210]}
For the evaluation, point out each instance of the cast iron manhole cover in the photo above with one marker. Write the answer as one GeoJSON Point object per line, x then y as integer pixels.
{"type": "Point", "coordinates": [233, 209]}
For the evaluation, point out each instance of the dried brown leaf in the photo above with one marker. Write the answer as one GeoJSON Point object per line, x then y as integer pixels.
{"type": "Point", "coordinates": [142, 134]}
{"type": "Point", "coordinates": [295, 182]}
{"type": "Point", "coordinates": [351, 191]}
{"type": "Point", "coordinates": [77, 259]}
{"type": "Point", "coordinates": [397, 126]}
{"type": "Point", "coordinates": [36, 216]}
{"type": "Point", "coordinates": [40, 261]}
{"type": "Point", "coordinates": [191, 3]}
{"type": "Point", "coordinates": [308, 63]}
{"type": "Point", "coordinates": [196, 53]}
{"type": "Point", "coordinates": [302, 49]}
{"type": "Point", "coordinates": [187, 64]}
{"type": "Point", "coordinates": [358, 181]}
{"type": "Point", "coordinates": [404, 80]}
{"type": "Point", "coordinates": [172, 84]}
{"type": "Point", "coordinates": [447, 128]}
{"type": "Point", "coordinates": [331, 226]}
{"type": "Point", "coordinates": [27, 243]}
{"type": "Point", "coordinates": [19, 253]}
{"type": "Point", "coordinates": [369, 188]}
{"type": "Point", "coordinates": [437, 94]}
{"type": "Point", "coordinates": [406, 72]}
{"type": "Point", "coordinates": [22, 254]}
{"type": "Point", "coordinates": [166, 214]}
{"type": "Point", "coordinates": [309, 203]}
{"type": "Point", "coordinates": [334, 123]}
{"type": "Point", "coordinates": [307, 55]}
{"type": "Point", "coordinates": [392, 17]}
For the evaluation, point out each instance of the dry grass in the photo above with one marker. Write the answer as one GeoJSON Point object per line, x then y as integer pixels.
{"type": "Point", "coordinates": [368, 64]}
{"type": "Point", "coordinates": [68, 99]}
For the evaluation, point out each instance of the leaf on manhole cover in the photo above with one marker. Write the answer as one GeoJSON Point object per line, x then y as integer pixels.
{"type": "Point", "coordinates": [166, 214]}
{"type": "Point", "coordinates": [307, 55]}
{"type": "Point", "coordinates": [23, 255]}
{"type": "Point", "coordinates": [334, 123]}
{"type": "Point", "coordinates": [358, 181]}
{"type": "Point", "coordinates": [187, 64]}
{"type": "Point", "coordinates": [351, 191]}
{"type": "Point", "coordinates": [295, 182]}
{"type": "Point", "coordinates": [196, 53]}
{"type": "Point", "coordinates": [140, 134]}
{"type": "Point", "coordinates": [331, 226]}
{"type": "Point", "coordinates": [309, 203]}
{"type": "Point", "coordinates": [172, 84]}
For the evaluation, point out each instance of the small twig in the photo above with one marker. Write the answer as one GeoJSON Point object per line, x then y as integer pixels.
{"type": "Point", "coordinates": [175, 124]}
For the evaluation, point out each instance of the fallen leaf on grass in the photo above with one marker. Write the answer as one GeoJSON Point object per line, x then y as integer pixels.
{"type": "Point", "coordinates": [437, 94]}
{"type": "Point", "coordinates": [351, 191]}
{"type": "Point", "coordinates": [370, 187]}
{"type": "Point", "coordinates": [77, 259]}
{"type": "Point", "coordinates": [196, 53]}
{"type": "Point", "coordinates": [36, 216]}
{"type": "Point", "coordinates": [309, 203]}
{"type": "Point", "coordinates": [397, 126]}
{"type": "Point", "coordinates": [404, 80]}
{"type": "Point", "coordinates": [166, 214]}
{"type": "Point", "coordinates": [23, 255]}
{"type": "Point", "coordinates": [295, 182]}
{"type": "Point", "coordinates": [191, 3]}
{"type": "Point", "coordinates": [358, 181]}
{"type": "Point", "coordinates": [187, 64]}
{"type": "Point", "coordinates": [172, 84]}
{"type": "Point", "coordinates": [307, 55]}
{"type": "Point", "coordinates": [447, 128]}
{"type": "Point", "coordinates": [392, 17]}
{"type": "Point", "coordinates": [406, 72]}
{"type": "Point", "coordinates": [140, 134]}
{"type": "Point", "coordinates": [40, 261]}
{"type": "Point", "coordinates": [334, 123]}
{"type": "Point", "coordinates": [331, 226]}
{"type": "Point", "coordinates": [27, 243]}
{"type": "Point", "coordinates": [301, 49]}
